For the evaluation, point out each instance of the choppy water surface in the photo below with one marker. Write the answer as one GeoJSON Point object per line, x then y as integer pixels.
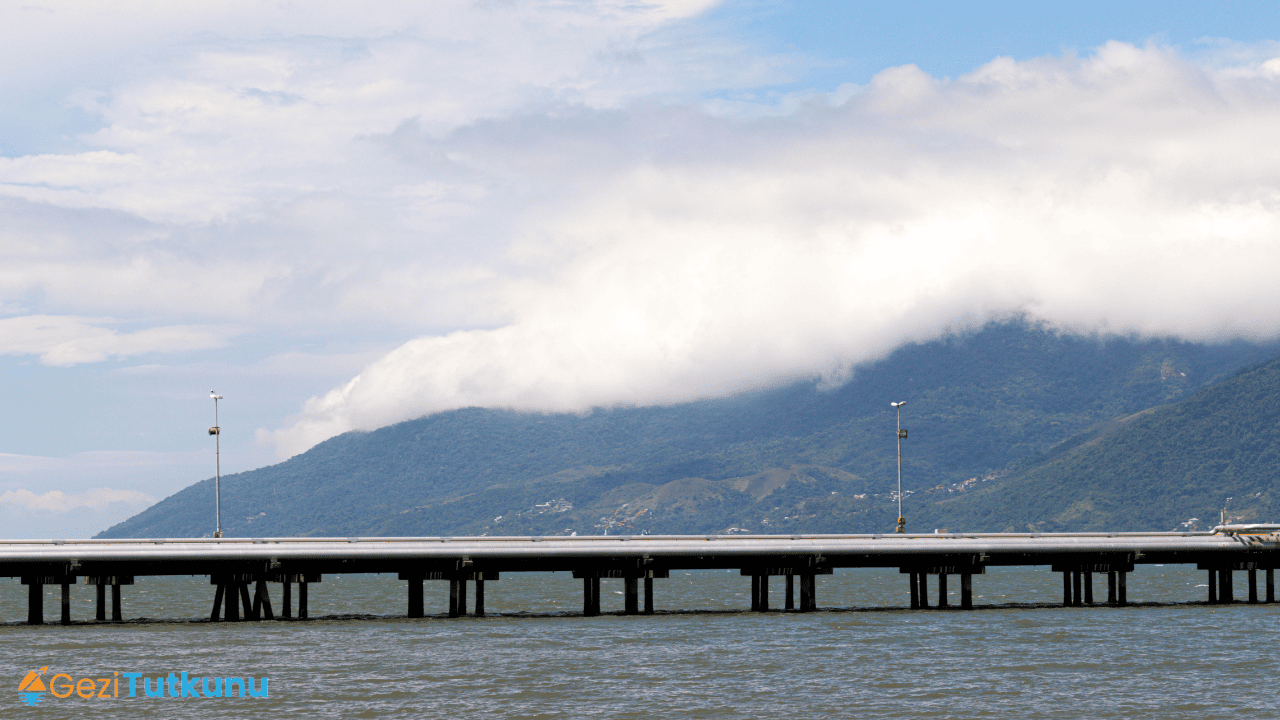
{"type": "Point", "coordinates": [701, 656]}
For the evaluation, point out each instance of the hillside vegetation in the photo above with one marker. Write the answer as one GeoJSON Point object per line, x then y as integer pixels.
{"type": "Point", "coordinates": [1010, 426]}
{"type": "Point", "coordinates": [1170, 467]}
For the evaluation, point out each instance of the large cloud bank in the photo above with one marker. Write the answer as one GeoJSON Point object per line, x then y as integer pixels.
{"type": "Point", "coordinates": [576, 205]}
{"type": "Point", "coordinates": [1125, 192]}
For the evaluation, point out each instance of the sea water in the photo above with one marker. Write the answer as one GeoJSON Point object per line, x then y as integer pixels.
{"type": "Point", "coordinates": [702, 655]}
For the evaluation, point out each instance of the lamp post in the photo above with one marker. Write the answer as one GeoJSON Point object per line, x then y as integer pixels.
{"type": "Point", "coordinates": [902, 520]}
{"type": "Point", "coordinates": [216, 432]}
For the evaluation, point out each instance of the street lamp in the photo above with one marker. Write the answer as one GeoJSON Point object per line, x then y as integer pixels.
{"type": "Point", "coordinates": [216, 432]}
{"type": "Point", "coordinates": [902, 434]}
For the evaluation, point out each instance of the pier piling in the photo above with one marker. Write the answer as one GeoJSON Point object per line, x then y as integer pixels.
{"type": "Point", "coordinates": [631, 596]}
{"type": "Point", "coordinates": [808, 592]}
{"type": "Point", "coordinates": [66, 601]}
{"type": "Point", "coordinates": [591, 596]}
{"type": "Point", "coordinates": [415, 598]}
{"type": "Point", "coordinates": [262, 601]}
{"type": "Point", "coordinates": [100, 583]}
{"type": "Point", "coordinates": [217, 602]}
{"type": "Point", "coordinates": [35, 601]}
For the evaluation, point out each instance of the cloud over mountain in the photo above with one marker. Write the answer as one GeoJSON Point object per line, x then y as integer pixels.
{"type": "Point", "coordinates": [698, 254]}
{"type": "Point", "coordinates": [556, 206]}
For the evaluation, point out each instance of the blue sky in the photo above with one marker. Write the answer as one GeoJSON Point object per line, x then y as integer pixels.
{"type": "Point", "coordinates": [343, 219]}
{"type": "Point", "coordinates": [851, 41]}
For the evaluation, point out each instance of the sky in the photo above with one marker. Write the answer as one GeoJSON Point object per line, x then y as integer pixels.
{"type": "Point", "coordinates": [341, 218]}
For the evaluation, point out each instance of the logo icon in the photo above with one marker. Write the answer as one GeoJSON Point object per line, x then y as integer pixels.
{"type": "Point", "coordinates": [32, 686]}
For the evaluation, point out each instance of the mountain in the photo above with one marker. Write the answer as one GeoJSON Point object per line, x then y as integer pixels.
{"type": "Point", "coordinates": [980, 407]}
{"type": "Point", "coordinates": [1160, 469]}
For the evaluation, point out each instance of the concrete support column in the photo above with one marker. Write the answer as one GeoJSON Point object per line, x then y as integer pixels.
{"type": "Point", "coordinates": [216, 615]}
{"type": "Point", "coordinates": [808, 592]}
{"type": "Point", "coordinates": [302, 601]}
{"type": "Point", "coordinates": [755, 593]}
{"type": "Point", "coordinates": [66, 603]}
{"type": "Point", "coordinates": [479, 609]}
{"type": "Point", "coordinates": [966, 591]}
{"type": "Point", "coordinates": [1111, 587]}
{"type": "Point", "coordinates": [231, 602]}
{"type": "Point", "coordinates": [1077, 588]}
{"type": "Point", "coordinates": [648, 596]}
{"type": "Point", "coordinates": [100, 607]}
{"type": "Point", "coordinates": [915, 591]}
{"type": "Point", "coordinates": [415, 598]}
{"type": "Point", "coordinates": [115, 602]}
{"type": "Point", "coordinates": [764, 593]}
{"type": "Point", "coordinates": [249, 611]}
{"type": "Point", "coordinates": [942, 590]}
{"type": "Point", "coordinates": [790, 603]}
{"type": "Point", "coordinates": [1088, 587]}
{"type": "Point", "coordinates": [631, 596]}
{"type": "Point", "coordinates": [286, 599]}
{"type": "Point", "coordinates": [1253, 586]}
{"type": "Point", "coordinates": [924, 589]}
{"type": "Point", "coordinates": [1213, 587]}
{"type": "Point", "coordinates": [1066, 588]}
{"type": "Point", "coordinates": [35, 603]}
{"type": "Point", "coordinates": [457, 598]}
{"type": "Point", "coordinates": [1122, 588]}
{"type": "Point", "coordinates": [1271, 585]}
{"type": "Point", "coordinates": [591, 596]}
{"type": "Point", "coordinates": [1226, 593]}
{"type": "Point", "coordinates": [262, 601]}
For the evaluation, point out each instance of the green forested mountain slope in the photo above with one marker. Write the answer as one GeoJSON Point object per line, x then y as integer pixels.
{"type": "Point", "coordinates": [1156, 470]}
{"type": "Point", "coordinates": [791, 459]}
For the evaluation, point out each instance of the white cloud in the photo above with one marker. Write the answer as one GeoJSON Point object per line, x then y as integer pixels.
{"type": "Point", "coordinates": [56, 501]}
{"type": "Point", "coordinates": [542, 194]}
{"type": "Point", "coordinates": [81, 495]}
{"type": "Point", "coordinates": [1130, 191]}
{"type": "Point", "coordinates": [62, 341]}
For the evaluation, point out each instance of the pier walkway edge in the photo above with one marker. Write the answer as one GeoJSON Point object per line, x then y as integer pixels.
{"type": "Point", "coordinates": [235, 564]}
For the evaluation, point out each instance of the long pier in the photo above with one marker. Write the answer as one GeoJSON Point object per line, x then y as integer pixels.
{"type": "Point", "coordinates": [234, 565]}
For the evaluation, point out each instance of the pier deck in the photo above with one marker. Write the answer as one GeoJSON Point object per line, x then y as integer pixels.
{"type": "Point", "coordinates": [233, 564]}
